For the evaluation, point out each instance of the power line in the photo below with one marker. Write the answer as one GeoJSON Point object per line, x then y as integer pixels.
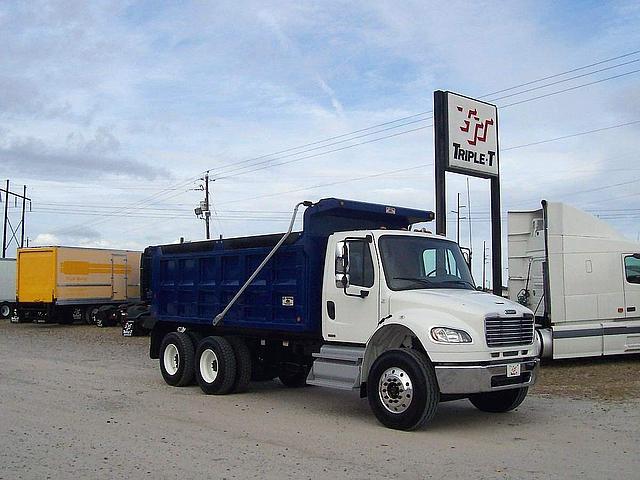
{"type": "Point", "coordinates": [423, 165]}
{"type": "Point", "coordinates": [267, 164]}
{"type": "Point", "coordinates": [431, 111]}
{"type": "Point", "coordinates": [150, 200]}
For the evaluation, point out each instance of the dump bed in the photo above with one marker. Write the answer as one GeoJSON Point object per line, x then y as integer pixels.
{"type": "Point", "coordinates": [74, 275]}
{"type": "Point", "coordinates": [193, 282]}
{"type": "Point", "coordinates": [7, 280]}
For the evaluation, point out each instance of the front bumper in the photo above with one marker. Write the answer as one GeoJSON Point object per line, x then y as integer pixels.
{"type": "Point", "coordinates": [463, 379]}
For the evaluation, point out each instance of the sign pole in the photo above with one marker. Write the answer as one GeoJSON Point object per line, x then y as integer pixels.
{"type": "Point", "coordinates": [496, 237]}
{"type": "Point", "coordinates": [441, 152]}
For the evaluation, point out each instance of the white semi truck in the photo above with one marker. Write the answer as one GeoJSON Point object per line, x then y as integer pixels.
{"type": "Point", "coordinates": [355, 301]}
{"type": "Point", "coordinates": [7, 287]}
{"type": "Point", "coordinates": [580, 277]}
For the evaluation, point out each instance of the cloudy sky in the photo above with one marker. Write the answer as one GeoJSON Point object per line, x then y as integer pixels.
{"type": "Point", "coordinates": [111, 111]}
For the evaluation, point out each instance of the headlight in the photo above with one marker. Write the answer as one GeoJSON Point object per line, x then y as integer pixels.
{"type": "Point", "coordinates": [449, 335]}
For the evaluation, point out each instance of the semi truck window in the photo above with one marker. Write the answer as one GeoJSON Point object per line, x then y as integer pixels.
{"type": "Point", "coordinates": [360, 264]}
{"type": "Point", "coordinates": [632, 269]}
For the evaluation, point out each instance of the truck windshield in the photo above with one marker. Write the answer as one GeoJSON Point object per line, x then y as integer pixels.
{"type": "Point", "coordinates": [420, 262]}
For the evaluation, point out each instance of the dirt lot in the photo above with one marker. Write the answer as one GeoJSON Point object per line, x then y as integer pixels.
{"type": "Point", "coordinates": [84, 402]}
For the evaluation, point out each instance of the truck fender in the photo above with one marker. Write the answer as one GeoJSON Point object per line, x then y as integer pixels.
{"type": "Point", "coordinates": [386, 337]}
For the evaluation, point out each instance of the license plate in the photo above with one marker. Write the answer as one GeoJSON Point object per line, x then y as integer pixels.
{"type": "Point", "coordinates": [513, 370]}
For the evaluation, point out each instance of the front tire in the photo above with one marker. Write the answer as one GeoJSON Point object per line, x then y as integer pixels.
{"type": "Point", "coordinates": [176, 359]}
{"type": "Point", "coordinates": [5, 310]}
{"type": "Point", "coordinates": [500, 401]}
{"type": "Point", "coordinates": [402, 389]}
{"type": "Point", "coordinates": [215, 365]}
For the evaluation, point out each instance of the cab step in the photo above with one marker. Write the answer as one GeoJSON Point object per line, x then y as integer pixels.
{"type": "Point", "coordinates": [337, 366]}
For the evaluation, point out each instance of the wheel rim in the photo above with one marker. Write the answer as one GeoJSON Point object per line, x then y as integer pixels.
{"type": "Point", "coordinates": [395, 389]}
{"type": "Point", "coordinates": [209, 367]}
{"type": "Point", "coordinates": [171, 359]}
{"type": "Point", "coordinates": [5, 310]}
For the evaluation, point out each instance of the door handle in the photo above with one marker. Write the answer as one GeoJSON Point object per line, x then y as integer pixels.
{"type": "Point", "coordinates": [331, 310]}
{"type": "Point", "coordinates": [631, 309]}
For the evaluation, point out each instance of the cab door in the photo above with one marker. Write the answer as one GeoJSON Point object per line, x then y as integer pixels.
{"type": "Point", "coordinates": [623, 335]}
{"type": "Point", "coordinates": [351, 314]}
{"type": "Point", "coordinates": [631, 263]}
{"type": "Point", "coordinates": [632, 301]}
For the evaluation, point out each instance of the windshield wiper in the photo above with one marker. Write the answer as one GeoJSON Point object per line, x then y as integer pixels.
{"type": "Point", "coordinates": [423, 281]}
{"type": "Point", "coordinates": [459, 282]}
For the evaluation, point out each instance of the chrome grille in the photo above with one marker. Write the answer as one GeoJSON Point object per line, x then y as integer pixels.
{"type": "Point", "coordinates": [507, 332]}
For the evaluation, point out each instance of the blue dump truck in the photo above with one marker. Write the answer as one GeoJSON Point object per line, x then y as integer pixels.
{"type": "Point", "coordinates": [355, 301]}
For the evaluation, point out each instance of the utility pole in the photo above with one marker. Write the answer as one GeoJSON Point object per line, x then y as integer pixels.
{"type": "Point", "coordinates": [24, 204]}
{"type": "Point", "coordinates": [484, 264]}
{"type": "Point", "coordinates": [203, 211]}
{"type": "Point", "coordinates": [207, 212]}
{"type": "Point", "coordinates": [7, 222]}
{"type": "Point", "coordinates": [6, 218]}
{"type": "Point", "coordinates": [458, 217]}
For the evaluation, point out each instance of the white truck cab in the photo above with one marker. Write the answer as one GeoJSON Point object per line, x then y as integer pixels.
{"type": "Point", "coordinates": [386, 292]}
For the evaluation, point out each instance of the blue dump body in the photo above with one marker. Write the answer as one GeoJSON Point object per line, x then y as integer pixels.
{"type": "Point", "coordinates": [190, 283]}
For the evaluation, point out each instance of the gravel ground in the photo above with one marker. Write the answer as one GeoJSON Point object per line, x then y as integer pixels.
{"type": "Point", "coordinates": [84, 402]}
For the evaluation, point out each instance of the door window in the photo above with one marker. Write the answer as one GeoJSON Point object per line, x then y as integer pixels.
{"type": "Point", "coordinates": [360, 264]}
{"type": "Point", "coordinates": [632, 269]}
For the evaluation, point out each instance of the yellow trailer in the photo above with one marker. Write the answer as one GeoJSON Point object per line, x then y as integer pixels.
{"type": "Point", "coordinates": [63, 284]}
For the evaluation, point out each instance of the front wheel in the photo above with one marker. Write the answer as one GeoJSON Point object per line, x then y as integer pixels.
{"type": "Point", "coordinates": [5, 310]}
{"type": "Point", "coordinates": [402, 389]}
{"type": "Point", "coordinates": [500, 401]}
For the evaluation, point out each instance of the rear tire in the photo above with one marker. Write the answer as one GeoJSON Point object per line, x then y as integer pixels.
{"type": "Point", "coordinates": [5, 310]}
{"type": "Point", "coordinates": [215, 365]}
{"type": "Point", "coordinates": [500, 401]}
{"type": "Point", "coordinates": [177, 359]}
{"type": "Point", "coordinates": [90, 315]}
{"type": "Point", "coordinates": [402, 389]}
{"type": "Point", "coordinates": [243, 364]}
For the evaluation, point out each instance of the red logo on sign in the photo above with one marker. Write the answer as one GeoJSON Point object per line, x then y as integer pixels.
{"type": "Point", "coordinates": [480, 127]}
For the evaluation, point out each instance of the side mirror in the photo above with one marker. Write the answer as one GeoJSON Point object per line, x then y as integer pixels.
{"type": "Point", "coordinates": [466, 254]}
{"type": "Point", "coordinates": [636, 256]}
{"type": "Point", "coordinates": [342, 265]}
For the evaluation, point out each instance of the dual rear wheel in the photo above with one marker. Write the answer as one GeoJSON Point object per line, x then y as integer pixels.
{"type": "Point", "coordinates": [220, 365]}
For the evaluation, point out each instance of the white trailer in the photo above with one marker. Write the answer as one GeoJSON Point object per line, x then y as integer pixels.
{"type": "Point", "coordinates": [7, 286]}
{"type": "Point", "coordinates": [580, 277]}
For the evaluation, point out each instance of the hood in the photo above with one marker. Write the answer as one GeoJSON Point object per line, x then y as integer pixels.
{"type": "Point", "coordinates": [470, 302]}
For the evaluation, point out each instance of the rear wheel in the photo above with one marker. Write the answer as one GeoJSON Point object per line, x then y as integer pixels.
{"type": "Point", "coordinates": [215, 365]}
{"type": "Point", "coordinates": [90, 315]}
{"type": "Point", "coordinates": [243, 364]}
{"type": "Point", "coordinates": [5, 310]}
{"type": "Point", "coordinates": [500, 401]}
{"type": "Point", "coordinates": [176, 359]}
{"type": "Point", "coordinates": [402, 389]}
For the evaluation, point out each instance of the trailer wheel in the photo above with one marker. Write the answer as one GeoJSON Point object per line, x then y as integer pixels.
{"type": "Point", "coordinates": [5, 310]}
{"type": "Point", "coordinates": [402, 389]}
{"type": "Point", "coordinates": [176, 359]}
{"type": "Point", "coordinates": [243, 364]}
{"type": "Point", "coordinates": [499, 402]}
{"type": "Point", "coordinates": [294, 377]}
{"type": "Point", "coordinates": [90, 315]}
{"type": "Point", "coordinates": [215, 365]}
